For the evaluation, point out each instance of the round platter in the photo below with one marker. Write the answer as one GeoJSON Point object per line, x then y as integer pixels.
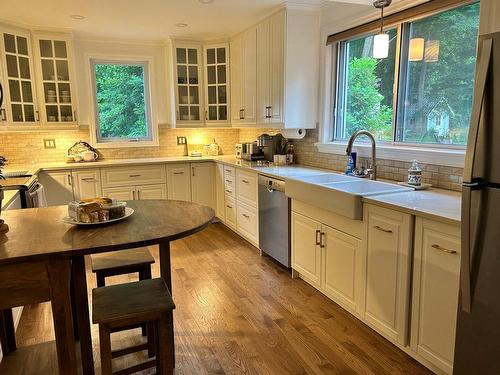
{"type": "Point", "coordinates": [128, 211]}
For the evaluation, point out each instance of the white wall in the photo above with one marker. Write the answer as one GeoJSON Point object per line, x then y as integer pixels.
{"type": "Point", "coordinates": [160, 73]}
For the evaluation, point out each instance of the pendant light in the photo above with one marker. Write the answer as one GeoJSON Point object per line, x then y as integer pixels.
{"type": "Point", "coordinates": [381, 40]}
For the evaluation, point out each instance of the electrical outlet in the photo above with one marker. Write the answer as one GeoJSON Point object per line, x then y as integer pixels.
{"type": "Point", "coordinates": [49, 143]}
{"type": "Point", "coordinates": [181, 141]}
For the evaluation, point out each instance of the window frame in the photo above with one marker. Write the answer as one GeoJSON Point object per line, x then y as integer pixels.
{"type": "Point", "coordinates": [401, 65]}
{"type": "Point", "coordinates": [150, 106]}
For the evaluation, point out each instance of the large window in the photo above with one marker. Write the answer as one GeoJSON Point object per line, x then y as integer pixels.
{"type": "Point", "coordinates": [420, 93]}
{"type": "Point", "coordinates": [123, 112]}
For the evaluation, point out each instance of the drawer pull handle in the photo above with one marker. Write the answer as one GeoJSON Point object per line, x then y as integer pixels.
{"type": "Point", "coordinates": [229, 191]}
{"type": "Point", "coordinates": [229, 171]}
{"type": "Point", "coordinates": [245, 181]}
{"type": "Point", "coordinates": [134, 175]}
{"type": "Point", "coordinates": [228, 206]}
{"type": "Point", "coordinates": [382, 229]}
{"type": "Point", "coordinates": [443, 249]}
{"type": "Point", "coordinates": [246, 216]}
{"type": "Point", "coordinates": [229, 181]}
{"type": "Point", "coordinates": [178, 172]}
{"type": "Point", "coordinates": [89, 179]}
{"type": "Point", "coordinates": [318, 237]}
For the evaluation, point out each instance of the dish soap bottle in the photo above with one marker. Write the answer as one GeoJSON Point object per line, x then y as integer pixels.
{"type": "Point", "coordinates": [415, 174]}
{"type": "Point", "coordinates": [214, 148]}
{"type": "Point", "coordinates": [350, 165]}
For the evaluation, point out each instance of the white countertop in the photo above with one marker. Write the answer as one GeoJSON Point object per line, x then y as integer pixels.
{"type": "Point", "coordinates": [435, 203]}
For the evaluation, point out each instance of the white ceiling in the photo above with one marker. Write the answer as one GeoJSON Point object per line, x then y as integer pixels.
{"type": "Point", "coordinates": [146, 19]}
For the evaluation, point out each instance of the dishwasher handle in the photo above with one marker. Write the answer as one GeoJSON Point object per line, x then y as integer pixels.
{"type": "Point", "coordinates": [271, 184]}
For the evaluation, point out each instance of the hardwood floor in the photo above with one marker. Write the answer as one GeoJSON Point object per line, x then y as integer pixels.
{"type": "Point", "coordinates": [239, 313]}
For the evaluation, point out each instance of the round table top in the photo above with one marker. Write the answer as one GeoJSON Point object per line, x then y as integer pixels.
{"type": "Point", "coordinates": [39, 233]}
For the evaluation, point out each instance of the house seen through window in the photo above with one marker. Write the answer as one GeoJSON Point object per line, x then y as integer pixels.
{"type": "Point", "coordinates": [427, 98]}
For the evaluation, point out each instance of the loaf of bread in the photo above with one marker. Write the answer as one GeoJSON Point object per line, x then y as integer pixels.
{"type": "Point", "coordinates": [95, 210]}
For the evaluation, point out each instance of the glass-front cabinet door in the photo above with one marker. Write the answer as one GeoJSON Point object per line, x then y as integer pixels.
{"type": "Point", "coordinates": [18, 79]}
{"type": "Point", "coordinates": [216, 83]}
{"type": "Point", "coordinates": [56, 87]}
{"type": "Point", "coordinates": [188, 84]}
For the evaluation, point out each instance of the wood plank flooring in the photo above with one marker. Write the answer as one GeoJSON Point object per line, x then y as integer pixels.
{"type": "Point", "coordinates": [239, 313]}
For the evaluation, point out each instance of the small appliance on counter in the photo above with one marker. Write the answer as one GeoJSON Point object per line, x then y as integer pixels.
{"type": "Point", "coordinates": [251, 152]}
{"type": "Point", "coordinates": [238, 150]}
{"type": "Point", "coordinates": [271, 145]}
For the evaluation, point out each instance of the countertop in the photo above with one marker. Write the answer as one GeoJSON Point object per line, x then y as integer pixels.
{"type": "Point", "coordinates": [437, 204]}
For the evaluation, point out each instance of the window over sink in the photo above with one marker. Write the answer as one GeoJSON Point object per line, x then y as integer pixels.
{"type": "Point", "coordinates": [422, 92]}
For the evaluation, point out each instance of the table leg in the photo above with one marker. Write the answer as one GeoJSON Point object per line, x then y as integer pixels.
{"type": "Point", "coordinates": [59, 273]}
{"type": "Point", "coordinates": [82, 313]}
{"type": "Point", "coordinates": [7, 332]}
{"type": "Point", "coordinates": [166, 273]}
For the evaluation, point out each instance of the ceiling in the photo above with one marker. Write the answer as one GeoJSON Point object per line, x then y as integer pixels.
{"type": "Point", "coordinates": [147, 19]}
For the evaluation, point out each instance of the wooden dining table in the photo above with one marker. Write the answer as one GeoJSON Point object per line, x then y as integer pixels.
{"type": "Point", "coordinates": [42, 259]}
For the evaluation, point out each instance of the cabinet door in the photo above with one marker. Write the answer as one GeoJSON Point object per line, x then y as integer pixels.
{"type": "Point", "coordinates": [276, 67]}
{"type": "Point", "coordinates": [216, 58]}
{"type": "Point", "coordinates": [249, 76]}
{"type": "Point", "coordinates": [306, 251]}
{"type": "Point", "coordinates": [247, 222]}
{"type": "Point", "coordinates": [230, 212]}
{"type": "Point", "coordinates": [263, 74]}
{"type": "Point", "coordinates": [388, 242]}
{"type": "Point", "coordinates": [219, 187]}
{"type": "Point", "coordinates": [246, 187]}
{"type": "Point", "coordinates": [203, 184]}
{"type": "Point", "coordinates": [341, 262]}
{"type": "Point", "coordinates": [236, 51]}
{"type": "Point", "coordinates": [58, 187]}
{"type": "Point", "coordinates": [19, 90]}
{"type": "Point", "coordinates": [123, 193]}
{"type": "Point", "coordinates": [151, 192]}
{"type": "Point", "coordinates": [179, 182]}
{"type": "Point", "coordinates": [436, 275]}
{"type": "Point", "coordinates": [87, 183]}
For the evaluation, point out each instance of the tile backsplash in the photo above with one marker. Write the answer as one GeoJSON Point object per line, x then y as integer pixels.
{"type": "Point", "coordinates": [23, 148]}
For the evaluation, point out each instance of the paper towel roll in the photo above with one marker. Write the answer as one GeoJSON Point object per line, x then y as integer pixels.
{"type": "Point", "coordinates": [294, 133]}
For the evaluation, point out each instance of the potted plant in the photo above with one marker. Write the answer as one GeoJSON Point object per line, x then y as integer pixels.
{"type": "Point", "coordinates": [3, 227]}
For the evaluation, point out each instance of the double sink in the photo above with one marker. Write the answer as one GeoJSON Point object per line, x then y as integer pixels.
{"type": "Point", "coordinates": [338, 193]}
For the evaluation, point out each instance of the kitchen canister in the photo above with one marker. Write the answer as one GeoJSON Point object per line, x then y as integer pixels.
{"type": "Point", "coordinates": [415, 174]}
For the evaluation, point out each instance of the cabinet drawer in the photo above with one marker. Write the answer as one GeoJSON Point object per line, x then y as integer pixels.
{"type": "Point", "coordinates": [229, 171]}
{"type": "Point", "coordinates": [133, 175]}
{"type": "Point", "coordinates": [247, 222]}
{"type": "Point", "coordinates": [229, 191]}
{"type": "Point", "coordinates": [230, 212]}
{"type": "Point", "coordinates": [229, 181]}
{"type": "Point", "coordinates": [246, 187]}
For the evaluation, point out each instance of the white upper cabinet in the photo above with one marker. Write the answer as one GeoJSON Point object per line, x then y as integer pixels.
{"type": "Point", "coordinates": [19, 79]}
{"type": "Point", "coordinates": [243, 78]}
{"type": "Point", "coordinates": [56, 89]}
{"type": "Point", "coordinates": [188, 78]}
{"type": "Point", "coordinates": [216, 59]}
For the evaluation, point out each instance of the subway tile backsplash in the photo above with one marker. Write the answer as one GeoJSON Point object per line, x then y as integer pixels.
{"type": "Point", "coordinates": [24, 148]}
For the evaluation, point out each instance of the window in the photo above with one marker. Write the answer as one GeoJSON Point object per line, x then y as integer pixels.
{"type": "Point", "coordinates": [422, 92]}
{"type": "Point", "coordinates": [122, 102]}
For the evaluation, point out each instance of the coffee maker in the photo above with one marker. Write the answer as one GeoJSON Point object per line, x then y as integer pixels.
{"type": "Point", "coordinates": [271, 145]}
{"type": "Point", "coordinates": [251, 151]}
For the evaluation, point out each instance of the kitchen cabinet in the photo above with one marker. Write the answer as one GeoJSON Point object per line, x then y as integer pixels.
{"type": "Point", "coordinates": [203, 184]}
{"type": "Point", "coordinates": [247, 222]}
{"type": "Point", "coordinates": [188, 78]}
{"type": "Point", "coordinates": [122, 193]}
{"type": "Point", "coordinates": [58, 187]}
{"type": "Point", "coordinates": [56, 80]}
{"type": "Point", "coordinates": [436, 274]}
{"type": "Point", "coordinates": [141, 192]}
{"type": "Point", "coordinates": [179, 182]}
{"type": "Point", "coordinates": [217, 103]}
{"type": "Point", "coordinates": [306, 248]}
{"type": "Point", "coordinates": [87, 183]}
{"type": "Point", "coordinates": [388, 241]}
{"type": "Point", "coordinates": [133, 175]}
{"type": "Point", "coordinates": [230, 213]}
{"type": "Point", "coordinates": [19, 78]}
{"type": "Point", "coordinates": [220, 211]}
{"type": "Point", "coordinates": [247, 187]}
{"type": "Point", "coordinates": [244, 78]}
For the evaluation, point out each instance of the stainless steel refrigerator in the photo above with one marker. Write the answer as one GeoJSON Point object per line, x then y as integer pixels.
{"type": "Point", "coordinates": [477, 345]}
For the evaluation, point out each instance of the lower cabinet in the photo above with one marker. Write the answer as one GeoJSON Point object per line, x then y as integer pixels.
{"type": "Point", "coordinates": [328, 259]}
{"type": "Point", "coordinates": [247, 222]}
{"type": "Point", "coordinates": [179, 182]}
{"type": "Point", "coordinates": [436, 274]}
{"type": "Point", "coordinates": [203, 184]}
{"type": "Point", "coordinates": [58, 186]}
{"type": "Point", "coordinates": [220, 192]}
{"type": "Point", "coordinates": [124, 193]}
{"type": "Point", "coordinates": [230, 213]}
{"type": "Point", "coordinates": [86, 183]}
{"type": "Point", "coordinates": [127, 193]}
{"type": "Point", "coordinates": [388, 235]}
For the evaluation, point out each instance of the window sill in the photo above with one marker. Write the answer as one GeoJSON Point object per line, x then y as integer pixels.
{"type": "Point", "coordinates": [428, 155]}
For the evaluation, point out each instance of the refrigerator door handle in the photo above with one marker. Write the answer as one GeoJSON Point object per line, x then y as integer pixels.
{"type": "Point", "coordinates": [471, 183]}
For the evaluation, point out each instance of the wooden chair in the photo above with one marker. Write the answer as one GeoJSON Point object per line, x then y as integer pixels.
{"type": "Point", "coordinates": [121, 263]}
{"type": "Point", "coordinates": [141, 302]}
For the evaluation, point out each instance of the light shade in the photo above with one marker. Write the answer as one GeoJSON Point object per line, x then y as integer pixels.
{"type": "Point", "coordinates": [381, 46]}
{"type": "Point", "coordinates": [431, 51]}
{"type": "Point", "coordinates": [416, 49]}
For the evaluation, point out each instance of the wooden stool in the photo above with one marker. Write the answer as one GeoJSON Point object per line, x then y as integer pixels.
{"type": "Point", "coordinates": [141, 302]}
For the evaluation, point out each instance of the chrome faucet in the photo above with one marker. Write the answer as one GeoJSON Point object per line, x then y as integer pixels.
{"type": "Point", "coordinates": [372, 170]}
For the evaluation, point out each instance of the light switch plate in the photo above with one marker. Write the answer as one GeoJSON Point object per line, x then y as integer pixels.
{"type": "Point", "coordinates": [49, 143]}
{"type": "Point", "coordinates": [181, 141]}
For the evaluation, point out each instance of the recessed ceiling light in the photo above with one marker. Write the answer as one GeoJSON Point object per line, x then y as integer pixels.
{"type": "Point", "coordinates": [181, 24]}
{"type": "Point", "coordinates": [206, 1]}
{"type": "Point", "coordinates": [77, 16]}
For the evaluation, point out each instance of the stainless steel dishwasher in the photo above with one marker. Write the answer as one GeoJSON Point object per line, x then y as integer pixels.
{"type": "Point", "coordinates": [274, 219]}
